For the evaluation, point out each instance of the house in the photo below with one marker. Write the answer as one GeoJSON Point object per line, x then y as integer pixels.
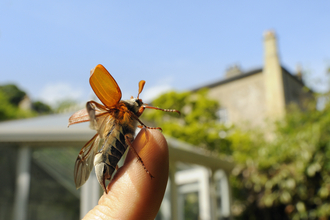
{"type": "Point", "coordinates": [253, 97]}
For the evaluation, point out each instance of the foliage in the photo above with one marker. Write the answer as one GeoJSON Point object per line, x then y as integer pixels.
{"type": "Point", "coordinates": [13, 93]}
{"type": "Point", "coordinates": [198, 122]}
{"type": "Point", "coordinates": [41, 107]}
{"type": "Point", "coordinates": [10, 111]}
{"type": "Point", "coordinates": [280, 173]}
{"type": "Point", "coordinates": [65, 105]}
{"type": "Point", "coordinates": [286, 176]}
{"type": "Point", "coordinates": [191, 206]}
{"type": "Point", "coordinates": [10, 97]}
{"type": "Point", "coordinates": [6, 108]}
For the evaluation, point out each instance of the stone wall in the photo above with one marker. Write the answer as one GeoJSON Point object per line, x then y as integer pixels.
{"type": "Point", "coordinates": [244, 99]}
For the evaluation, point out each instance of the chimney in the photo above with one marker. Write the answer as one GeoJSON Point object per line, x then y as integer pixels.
{"type": "Point", "coordinates": [299, 72]}
{"type": "Point", "coordinates": [25, 103]}
{"type": "Point", "coordinates": [232, 71]}
{"type": "Point", "coordinates": [275, 97]}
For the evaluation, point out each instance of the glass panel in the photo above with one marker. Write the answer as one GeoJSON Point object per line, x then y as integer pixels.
{"type": "Point", "coordinates": [52, 193]}
{"type": "Point", "coordinates": [8, 158]}
{"type": "Point", "coordinates": [191, 206]}
{"type": "Point", "coordinates": [223, 115]}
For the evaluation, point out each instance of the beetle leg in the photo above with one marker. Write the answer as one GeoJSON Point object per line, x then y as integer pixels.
{"type": "Point", "coordinates": [141, 110]}
{"type": "Point", "coordinates": [139, 158]}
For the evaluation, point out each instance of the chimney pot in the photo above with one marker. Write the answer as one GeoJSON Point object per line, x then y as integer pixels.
{"type": "Point", "coordinates": [232, 71]}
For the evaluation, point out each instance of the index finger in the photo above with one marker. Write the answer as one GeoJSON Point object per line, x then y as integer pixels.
{"type": "Point", "coordinates": [132, 193]}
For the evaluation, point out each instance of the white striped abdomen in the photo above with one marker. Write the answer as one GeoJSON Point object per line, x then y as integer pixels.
{"type": "Point", "coordinates": [114, 147]}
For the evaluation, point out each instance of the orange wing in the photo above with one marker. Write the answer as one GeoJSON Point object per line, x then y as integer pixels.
{"type": "Point", "coordinates": [105, 86]}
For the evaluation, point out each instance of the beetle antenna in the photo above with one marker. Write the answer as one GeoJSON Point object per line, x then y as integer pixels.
{"type": "Point", "coordinates": [141, 85]}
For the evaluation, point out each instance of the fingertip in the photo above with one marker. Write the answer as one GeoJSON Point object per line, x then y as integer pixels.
{"type": "Point", "coordinates": [149, 143]}
{"type": "Point", "coordinates": [153, 136]}
{"type": "Point", "coordinates": [152, 147]}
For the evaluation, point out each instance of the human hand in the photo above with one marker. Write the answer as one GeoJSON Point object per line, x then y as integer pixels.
{"type": "Point", "coordinates": [132, 194]}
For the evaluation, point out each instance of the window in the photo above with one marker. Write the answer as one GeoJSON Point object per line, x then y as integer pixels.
{"type": "Point", "coordinates": [223, 115]}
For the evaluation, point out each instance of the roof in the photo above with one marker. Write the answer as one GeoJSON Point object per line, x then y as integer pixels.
{"type": "Point", "coordinates": [242, 75]}
{"type": "Point", "coordinates": [43, 128]}
{"type": "Point", "coordinates": [51, 129]}
{"type": "Point", "coordinates": [227, 80]}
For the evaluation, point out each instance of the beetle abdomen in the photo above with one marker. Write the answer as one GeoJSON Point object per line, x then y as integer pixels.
{"type": "Point", "coordinates": [106, 159]}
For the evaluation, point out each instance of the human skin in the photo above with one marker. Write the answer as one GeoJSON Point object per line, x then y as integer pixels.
{"type": "Point", "coordinates": [132, 194]}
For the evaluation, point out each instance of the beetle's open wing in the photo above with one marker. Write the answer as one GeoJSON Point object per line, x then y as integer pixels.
{"type": "Point", "coordinates": [78, 117]}
{"type": "Point", "coordinates": [83, 116]}
{"type": "Point", "coordinates": [85, 161]}
{"type": "Point", "coordinates": [105, 86]}
{"type": "Point", "coordinates": [103, 123]}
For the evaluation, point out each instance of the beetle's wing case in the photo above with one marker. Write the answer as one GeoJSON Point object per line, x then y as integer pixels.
{"type": "Point", "coordinates": [105, 86]}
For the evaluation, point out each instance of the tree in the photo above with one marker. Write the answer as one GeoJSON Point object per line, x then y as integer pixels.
{"type": "Point", "coordinates": [13, 93]}
{"type": "Point", "coordinates": [198, 123]}
{"type": "Point", "coordinates": [10, 111]}
{"type": "Point", "coordinates": [10, 97]}
{"type": "Point", "coordinates": [7, 110]}
{"type": "Point", "coordinates": [65, 105]}
{"type": "Point", "coordinates": [283, 177]}
{"type": "Point", "coordinates": [289, 176]}
{"type": "Point", "coordinates": [41, 107]}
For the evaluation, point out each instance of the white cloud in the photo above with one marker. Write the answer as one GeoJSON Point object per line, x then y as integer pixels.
{"type": "Point", "coordinates": [153, 92]}
{"type": "Point", "coordinates": [52, 93]}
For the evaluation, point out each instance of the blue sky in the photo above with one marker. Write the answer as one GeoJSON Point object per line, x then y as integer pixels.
{"type": "Point", "coordinates": [48, 47]}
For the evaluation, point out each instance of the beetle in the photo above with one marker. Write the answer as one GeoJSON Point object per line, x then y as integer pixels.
{"type": "Point", "coordinates": [115, 122]}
